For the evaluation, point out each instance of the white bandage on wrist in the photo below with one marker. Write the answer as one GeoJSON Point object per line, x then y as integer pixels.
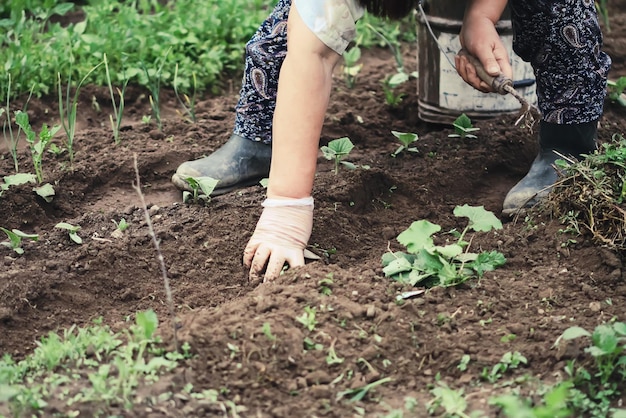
{"type": "Point", "coordinates": [276, 203]}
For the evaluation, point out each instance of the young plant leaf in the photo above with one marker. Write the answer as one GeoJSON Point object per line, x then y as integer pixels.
{"type": "Point", "coordinates": [71, 230]}
{"type": "Point", "coordinates": [480, 219]}
{"type": "Point", "coordinates": [418, 236]}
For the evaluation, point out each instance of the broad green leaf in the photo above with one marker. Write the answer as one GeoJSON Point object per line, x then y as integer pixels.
{"type": "Point", "coordinates": [20, 178]}
{"type": "Point", "coordinates": [480, 219]}
{"type": "Point", "coordinates": [396, 266]}
{"type": "Point", "coordinates": [428, 261]}
{"type": "Point", "coordinates": [33, 237]}
{"type": "Point", "coordinates": [14, 239]}
{"type": "Point", "coordinates": [418, 236]}
{"type": "Point", "coordinates": [463, 122]}
{"type": "Point", "coordinates": [406, 138]}
{"type": "Point", "coordinates": [416, 277]}
{"type": "Point", "coordinates": [147, 322]}
{"type": "Point", "coordinates": [596, 351]}
{"type": "Point", "coordinates": [45, 191]}
{"type": "Point", "coordinates": [448, 275]}
{"type": "Point", "coordinates": [604, 337]}
{"type": "Point", "coordinates": [67, 226]}
{"type": "Point", "coordinates": [452, 401]}
{"type": "Point", "coordinates": [341, 146]}
{"type": "Point", "coordinates": [466, 257]}
{"type": "Point", "coordinates": [207, 184]}
{"type": "Point", "coordinates": [21, 119]}
{"type": "Point", "coordinates": [620, 328]}
{"type": "Point", "coordinates": [76, 238]}
{"type": "Point", "coordinates": [618, 413]}
{"type": "Point", "coordinates": [397, 79]}
{"type": "Point", "coordinates": [574, 332]}
{"type": "Point", "coordinates": [487, 261]}
{"type": "Point", "coordinates": [450, 251]}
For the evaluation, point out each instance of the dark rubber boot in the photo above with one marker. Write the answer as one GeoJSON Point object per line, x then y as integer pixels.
{"type": "Point", "coordinates": [238, 163]}
{"type": "Point", "coordinates": [569, 140]}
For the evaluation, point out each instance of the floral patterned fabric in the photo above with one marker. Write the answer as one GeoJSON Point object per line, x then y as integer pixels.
{"type": "Point", "coordinates": [560, 38]}
{"type": "Point", "coordinates": [562, 41]}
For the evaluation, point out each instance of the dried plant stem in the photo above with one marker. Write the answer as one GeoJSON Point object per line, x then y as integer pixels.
{"type": "Point", "coordinates": [155, 242]}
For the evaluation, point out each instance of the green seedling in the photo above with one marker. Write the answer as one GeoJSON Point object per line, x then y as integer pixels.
{"type": "Point", "coordinates": [68, 107]}
{"type": "Point", "coordinates": [332, 357]}
{"type": "Point", "coordinates": [15, 239]}
{"type": "Point", "coordinates": [310, 345]}
{"type": "Point", "coordinates": [325, 285]}
{"type": "Point", "coordinates": [337, 150]}
{"type": "Point", "coordinates": [71, 230]}
{"type": "Point", "coordinates": [443, 265]}
{"type": "Point", "coordinates": [357, 394]}
{"type": "Point", "coordinates": [188, 103]}
{"type": "Point", "coordinates": [37, 147]}
{"type": "Point", "coordinates": [451, 401]}
{"type": "Point", "coordinates": [465, 359]}
{"type": "Point", "coordinates": [122, 225]}
{"type": "Point", "coordinates": [154, 78]}
{"type": "Point", "coordinates": [267, 331]}
{"type": "Point", "coordinates": [406, 139]}
{"type": "Point", "coordinates": [307, 319]}
{"type": "Point", "coordinates": [118, 107]}
{"type": "Point", "coordinates": [12, 139]}
{"type": "Point", "coordinates": [608, 348]}
{"type": "Point", "coordinates": [463, 128]}
{"type": "Point", "coordinates": [390, 83]}
{"type": "Point", "coordinates": [509, 361]}
{"type": "Point", "coordinates": [616, 91]}
{"type": "Point", "coordinates": [554, 405]}
{"type": "Point", "coordinates": [16, 180]}
{"type": "Point", "coordinates": [201, 189]}
{"type": "Point", "coordinates": [351, 66]}
{"type": "Point", "coordinates": [88, 366]}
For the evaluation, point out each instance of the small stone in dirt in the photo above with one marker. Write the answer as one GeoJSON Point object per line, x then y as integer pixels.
{"type": "Point", "coordinates": [153, 210]}
{"type": "Point", "coordinates": [318, 377]}
{"type": "Point", "coordinates": [371, 311]}
{"type": "Point", "coordinates": [388, 233]}
{"type": "Point", "coordinates": [595, 306]}
{"type": "Point", "coordinates": [320, 392]}
{"type": "Point", "coordinates": [5, 313]}
{"type": "Point", "coordinates": [156, 134]}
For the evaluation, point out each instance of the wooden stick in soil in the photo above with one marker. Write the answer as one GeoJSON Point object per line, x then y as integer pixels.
{"type": "Point", "coordinates": [155, 242]}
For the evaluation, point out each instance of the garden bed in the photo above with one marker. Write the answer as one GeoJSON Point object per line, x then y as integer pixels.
{"type": "Point", "coordinates": [548, 283]}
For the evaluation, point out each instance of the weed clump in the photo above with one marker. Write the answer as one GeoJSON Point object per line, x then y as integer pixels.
{"type": "Point", "coordinates": [590, 195]}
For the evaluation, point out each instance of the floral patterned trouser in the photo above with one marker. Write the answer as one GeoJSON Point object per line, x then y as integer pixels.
{"type": "Point", "coordinates": [560, 38]}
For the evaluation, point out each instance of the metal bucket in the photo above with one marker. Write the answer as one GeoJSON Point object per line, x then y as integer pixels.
{"type": "Point", "coordinates": [442, 93]}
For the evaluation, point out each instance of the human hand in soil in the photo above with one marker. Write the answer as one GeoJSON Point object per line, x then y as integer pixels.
{"type": "Point", "coordinates": [280, 237]}
{"type": "Point", "coordinates": [480, 38]}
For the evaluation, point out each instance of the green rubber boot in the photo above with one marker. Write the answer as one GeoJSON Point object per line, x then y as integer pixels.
{"type": "Point", "coordinates": [238, 163]}
{"type": "Point", "coordinates": [569, 140]}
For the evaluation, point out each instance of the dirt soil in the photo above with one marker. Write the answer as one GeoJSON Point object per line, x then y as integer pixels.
{"type": "Point", "coordinates": [545, 286]}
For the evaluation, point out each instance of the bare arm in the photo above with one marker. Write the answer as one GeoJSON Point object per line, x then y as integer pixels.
{"type": "Point", "coordinates": [304, 88]}
{"type": "Point", "coordinates": [303, 94]}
